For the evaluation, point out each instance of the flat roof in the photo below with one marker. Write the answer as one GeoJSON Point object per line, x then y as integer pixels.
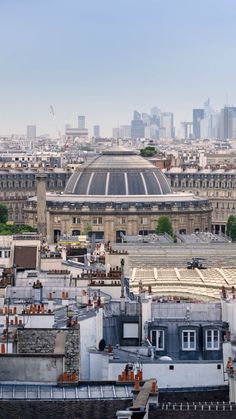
{"type": "Point", "coordinates": [175, 197]}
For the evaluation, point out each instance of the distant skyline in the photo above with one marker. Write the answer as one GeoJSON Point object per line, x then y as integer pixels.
{"type": "Point", "coordinates": [104, 59]}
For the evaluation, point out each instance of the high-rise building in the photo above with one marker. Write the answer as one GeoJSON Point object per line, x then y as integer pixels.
{"type": "Point", "coordinates": [137, 126]}
{"type": "Point", "coordinates": [155, 111]}
{"type": "Point", "coordinates": [152, 132]}
{"type": "Point", "coordinates": [206, 127]}
{"type": "Point", "coordinates": [137, 116]}
{"type": "Point", "coordinates": [167, 125]}
{"type": "Point", "coordinates": [81, 122]}
{"type": "Point", "coordinates": [156, 120]}
{"type": "Point", "coordinates": [125, 131]}
{"type": "Point", "coordinates": [146, 118]}
{"type": "Point", "coordinates": [198, 115]}
{"type": "Point", "coordinates": [228, 123]}
{"type": "Point", "coordinates": [207, 108]}
{"type": "Point", "coordinates": [215, 125]}
{"type": "Point", "coordinates": [96, 131]}
{"type": "Point", "coordinates": [31, 131]}
{"type": "Point", "coordinates": [186, 130]}
{"type": "Point", "coordinates": [137, 129]}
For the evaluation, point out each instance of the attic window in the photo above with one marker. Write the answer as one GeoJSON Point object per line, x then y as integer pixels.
{"type": "Point", "coordinates": [188, 340]}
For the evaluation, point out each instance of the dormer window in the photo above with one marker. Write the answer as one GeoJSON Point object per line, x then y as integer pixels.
{"type": "Point", "coordinates": [158, 339]}
{"type": "Point", "coordinates": [212, 339]}
{"type": "Point", "coordinates": [188, 340]}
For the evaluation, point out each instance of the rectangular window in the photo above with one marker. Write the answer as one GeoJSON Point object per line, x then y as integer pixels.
{"type": "Point", "coordinates": [76, 220]}
{"type": "Point", "coordinates": [97, 220]}
{"type": "Point", "coordinates": [6, 254]}
{"type": "Point", "coordinates": [212, 339]}
{"type": "Point", "coordinates": [188, 340]}
{"type": "Point", "coordinates": [158, 339]}
{"type": "Point", "coordinates": [144, 220]}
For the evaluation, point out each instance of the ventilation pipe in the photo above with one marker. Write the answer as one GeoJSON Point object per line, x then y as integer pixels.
{"type": "Point", "coordinates": [122, 282]}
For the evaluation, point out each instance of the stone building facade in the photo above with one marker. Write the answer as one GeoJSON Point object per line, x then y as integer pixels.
{"type": "Point", "coordinates": [218, 186]}
{"type": "Point", "coordinates": [107, 220]}
{"type": "Point", "coordinates": [16, 186]}
{"type": "Point", "coordinates": [119, 192]}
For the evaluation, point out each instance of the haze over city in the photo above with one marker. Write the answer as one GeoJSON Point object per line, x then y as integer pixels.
{"type": "Point", "coordinates": [118, 209]}
{"type": "Point", "coordinates": [104, 59]}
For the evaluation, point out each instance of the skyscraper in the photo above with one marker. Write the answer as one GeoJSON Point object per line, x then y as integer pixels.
{"type": "Point", "coordinates": [137, 126]}
{"type": "Point", "coordinates": [125, 131]}
{"type": "Point", "coordinates": [198, 115]}
{"type": "Point", "coordinates": [137, 129]}
{"type": "Point", "coordinates": [155, 111]}
{"type": "Point", "coordinates": [31, 131]}
{"type": "Point", "coordinates": [207, 108]}
{"type": "Point", "coordinates": [137, 116]}
{"type": "Point", "coordinates": [228, 123]}
{"type": "Point", "coordinates": [167, 125]}
{"type": "Point", "coordinates": [96, 131]}
{"type": "Point", "coordinates": [81, 122]}
{"type": "Point", "coordinates": [146, 118]}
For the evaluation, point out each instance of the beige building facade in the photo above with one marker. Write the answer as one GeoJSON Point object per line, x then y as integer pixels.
{"type": "Point", "coordinates": [16, 186]}
{"type": "Point", "coordinates": [218, 186]}
{"type": "Point", "coordinates": [118, 192]}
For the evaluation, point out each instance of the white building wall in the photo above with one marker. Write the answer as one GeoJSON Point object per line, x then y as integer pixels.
{"type": "Point", "coordinates": [6, 259]}
{"type": "Point", "coordinates": [98, 366]}
{"type": "Point", "coordinates": [40, 321]}
{"type": "Point", "coordinates": [5, 262]}
{"type": "Point", "coordinates": [90, 336]}
{"type": "Point", "coordinates": [146, 316]}
{"type": "Point", "coordinates": [184, 374]}
{"type": "Point", "coordinates": [229, 314]}
{"type": "Point", "coordinates": [112, 291]}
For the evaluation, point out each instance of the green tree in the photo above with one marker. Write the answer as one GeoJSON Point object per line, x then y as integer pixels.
{"type": "Point", "coordinates": [3, 214]}
{"type": "Point", "coordinates": [230, 222]}
{"type": "Point", "coordinates": [233, 231]}
{"type": "Point", "coordinates": [87, 229]}
{"type": "Point", "coordinates": [9, 229]}
{"type": "Point", "coordinates": [164, 225]}
{"type": "Point", "coordinates": [148, 151]}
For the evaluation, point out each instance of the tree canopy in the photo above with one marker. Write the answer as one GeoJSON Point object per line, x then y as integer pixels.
{"type": "Point", "coordinates": [230, 221]}
{"type": "Point", "coordinates": [233, 231]}
{"type": "Point", "coordinates": [164, 225]}
{"type": "Point", "coordinates": [231, 227]}
{"type": "Point", "coordinates": [87, 228]}
{"type": "Point", "coordinates": [9, 229]}
{"type": "Point", "coordinates": [149, 151]}
{"type": "Point", "coordinates": [3, 213]}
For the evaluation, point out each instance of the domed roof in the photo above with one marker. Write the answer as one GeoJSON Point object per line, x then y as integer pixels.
{"type": "Point", "coordinates": [118, 172]}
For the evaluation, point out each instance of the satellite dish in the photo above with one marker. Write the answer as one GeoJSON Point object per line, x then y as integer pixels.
{"type": "Point", "coordinates": [102, 345]}
{"type": "Point", "coordinates": [165, 358]}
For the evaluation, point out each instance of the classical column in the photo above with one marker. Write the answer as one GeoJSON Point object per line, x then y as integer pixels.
{"type": "Point", "coordinates": [41, 204]}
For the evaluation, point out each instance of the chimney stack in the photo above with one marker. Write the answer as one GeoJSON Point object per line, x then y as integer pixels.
{"type": "Point", "coordinates": [41, 204]}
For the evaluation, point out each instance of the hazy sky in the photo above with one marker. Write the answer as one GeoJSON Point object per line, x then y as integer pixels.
{"type": "Point", "coordinates": [105, 58]}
